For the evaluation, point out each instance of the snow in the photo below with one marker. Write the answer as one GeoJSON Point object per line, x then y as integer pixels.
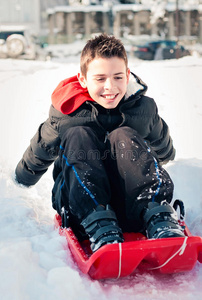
{"type": "Point", "coordinates": [35, 262]}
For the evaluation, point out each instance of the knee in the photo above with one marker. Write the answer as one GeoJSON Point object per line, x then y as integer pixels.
{"type": "Point", "coordinates": [126, 138]}
{"type": "Point", "coordinates": [121, 134]}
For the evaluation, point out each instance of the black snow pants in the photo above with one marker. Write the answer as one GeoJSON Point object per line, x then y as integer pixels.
{"type": "Point", "coordinates": [122, 172]}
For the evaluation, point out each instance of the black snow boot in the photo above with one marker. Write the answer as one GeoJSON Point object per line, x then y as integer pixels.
{"type": "Point", "coordinates": [161, 221]}
{"type": "Point", "coordinates": [102, 227]}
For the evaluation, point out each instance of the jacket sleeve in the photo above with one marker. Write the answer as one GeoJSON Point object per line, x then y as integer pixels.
{"type": "Point", "coordinates": [40, 154]}
{"type": "Point", "coordinates": [160, 140]}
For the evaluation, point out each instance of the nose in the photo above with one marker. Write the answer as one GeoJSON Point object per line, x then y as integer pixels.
{"type": "Point", "coordinates": [108, 84]}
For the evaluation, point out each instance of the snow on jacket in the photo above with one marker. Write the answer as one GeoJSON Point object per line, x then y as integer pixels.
{"type": "Point", "coordinates": [73, 106]}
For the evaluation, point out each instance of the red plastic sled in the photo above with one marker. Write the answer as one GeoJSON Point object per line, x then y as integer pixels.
{"type": "Point", "coordinates": [170, 255]}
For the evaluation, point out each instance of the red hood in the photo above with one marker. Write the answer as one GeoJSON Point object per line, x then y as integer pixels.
{"type": "Point", "coordinates": [69, 95]}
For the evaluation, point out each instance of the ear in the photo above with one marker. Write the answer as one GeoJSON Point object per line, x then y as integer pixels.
{"type": "Point", "coordinates": [81, 80]}
{"type": "Point", "coordinates": [128, 75]}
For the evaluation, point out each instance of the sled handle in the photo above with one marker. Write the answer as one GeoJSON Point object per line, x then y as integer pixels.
{"type": "Point", "coordinates": [180, 204]}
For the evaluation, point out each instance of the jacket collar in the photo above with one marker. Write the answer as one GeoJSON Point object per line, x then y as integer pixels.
{"type": "Point", "coordinates": [135, 86]}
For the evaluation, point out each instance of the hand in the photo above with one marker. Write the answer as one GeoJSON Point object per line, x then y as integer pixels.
{"type": "Point", "coordinates": [17, 182]}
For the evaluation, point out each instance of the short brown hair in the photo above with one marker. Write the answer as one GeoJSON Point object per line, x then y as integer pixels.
{"type": "Point", "coordinates": [103, 46]}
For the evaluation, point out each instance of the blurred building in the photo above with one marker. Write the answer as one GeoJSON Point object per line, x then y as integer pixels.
{"type": "Point", "coordinates": [125, 17]}
{"type": "Point", "coordinates": [66, 20]}
{"type": "Point", "coordinates": [44, 6]}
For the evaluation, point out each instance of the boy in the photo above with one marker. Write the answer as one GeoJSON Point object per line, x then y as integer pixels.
{"type": "Point", "coordinates": [108, 143]}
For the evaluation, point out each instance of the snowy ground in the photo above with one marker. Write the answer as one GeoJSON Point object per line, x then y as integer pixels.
{"type": "Point", "coordinates": [34, 263]}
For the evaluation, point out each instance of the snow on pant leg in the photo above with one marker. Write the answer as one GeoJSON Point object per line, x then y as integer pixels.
{"type": "Point", "coordinates": [141, 178]}
{"type": "Point", "coordinates": [85, 180]}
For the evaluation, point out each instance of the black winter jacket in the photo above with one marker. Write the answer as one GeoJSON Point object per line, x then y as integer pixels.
{"type": "Point", "coordinates": [136, 111]}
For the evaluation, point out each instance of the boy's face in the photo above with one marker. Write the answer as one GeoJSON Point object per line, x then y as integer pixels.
{"type": "Point", "coordinates": [106, 80]}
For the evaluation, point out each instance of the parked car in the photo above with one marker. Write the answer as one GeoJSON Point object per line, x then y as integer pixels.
{"type": "Point", "coordinates": [163, 49]}
{"type": "Point", "coordinates": [17, 42]}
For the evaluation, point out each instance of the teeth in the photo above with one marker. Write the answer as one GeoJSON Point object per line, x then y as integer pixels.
{"type": "Point", "coordinates": [110, 97]}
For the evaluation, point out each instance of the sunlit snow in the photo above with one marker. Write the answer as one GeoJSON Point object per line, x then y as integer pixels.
{"type": "Point", "coordinates": [35, 263]}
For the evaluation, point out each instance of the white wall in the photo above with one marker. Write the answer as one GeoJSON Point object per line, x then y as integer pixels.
{"type": "Point", "coordinates": [26, 12]}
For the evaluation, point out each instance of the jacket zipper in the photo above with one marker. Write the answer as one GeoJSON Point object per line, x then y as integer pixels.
{"type": "Point", "coordinates": [109, 115]}
{"type": "Point", "coordinates": [108, 120]}
{"type": "Point", "coordinates": [106, 136]}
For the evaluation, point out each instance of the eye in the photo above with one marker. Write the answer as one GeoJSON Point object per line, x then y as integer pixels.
{"type": "Point", "coordinates": [118, 77]}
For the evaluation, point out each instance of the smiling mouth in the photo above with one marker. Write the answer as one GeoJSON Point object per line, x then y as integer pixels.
{"type": "Point", "coordinates": [109, 97]}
